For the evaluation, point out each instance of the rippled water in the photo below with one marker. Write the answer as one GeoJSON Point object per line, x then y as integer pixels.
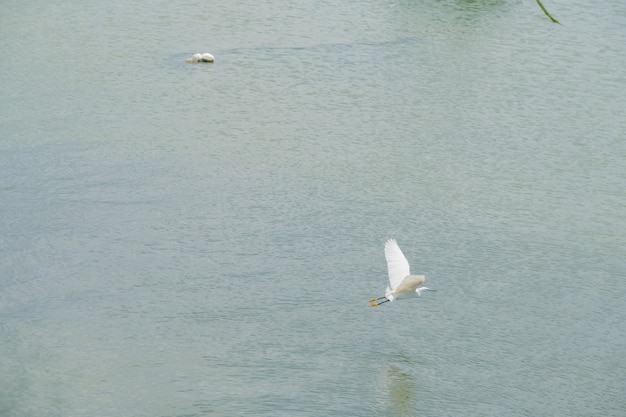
{"type": "Point", "coordinates": [188, 240]}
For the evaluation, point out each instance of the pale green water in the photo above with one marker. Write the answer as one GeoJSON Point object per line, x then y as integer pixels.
{"type": "Point", "coordinates": [190, 240]}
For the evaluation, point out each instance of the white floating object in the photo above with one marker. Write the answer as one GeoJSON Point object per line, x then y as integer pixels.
{"type": "Point", "coordinates": [205, 57]}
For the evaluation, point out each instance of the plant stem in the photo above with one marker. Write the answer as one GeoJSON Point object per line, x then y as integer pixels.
{"type": "Point", "coordinates": [547, 12]}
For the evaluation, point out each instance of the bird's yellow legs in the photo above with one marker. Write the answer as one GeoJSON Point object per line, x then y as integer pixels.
{"type": "Point", "coordinates": [374, 303]}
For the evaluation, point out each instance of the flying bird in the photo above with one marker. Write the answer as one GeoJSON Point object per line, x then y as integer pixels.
{"type": "Point", "coordinates": [401, 283]}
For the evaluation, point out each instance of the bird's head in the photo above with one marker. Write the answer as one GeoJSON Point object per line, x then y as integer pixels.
{"type": "Point", "coordinates": [422, 289]}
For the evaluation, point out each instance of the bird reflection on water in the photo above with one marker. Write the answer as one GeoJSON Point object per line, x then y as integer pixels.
{"type": "Point", "coordinates": [401, 388]}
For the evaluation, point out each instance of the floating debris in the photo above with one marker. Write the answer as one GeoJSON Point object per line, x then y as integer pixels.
{"type": "Point", "coordinates": [205, 57]}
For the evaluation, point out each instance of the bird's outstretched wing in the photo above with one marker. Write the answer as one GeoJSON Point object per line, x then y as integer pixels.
{"type": "Point", "coordinates": [397, 265]}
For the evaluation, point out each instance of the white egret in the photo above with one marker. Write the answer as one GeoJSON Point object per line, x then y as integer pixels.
{"type": "Point", "coordinates": [401, 283]}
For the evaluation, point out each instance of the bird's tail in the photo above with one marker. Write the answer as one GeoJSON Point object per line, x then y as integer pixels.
{"type": "Point", "coordinates": [389, 295]}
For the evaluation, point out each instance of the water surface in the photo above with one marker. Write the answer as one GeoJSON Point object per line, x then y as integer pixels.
{"type": "Point", "coordinates": [190, 240]}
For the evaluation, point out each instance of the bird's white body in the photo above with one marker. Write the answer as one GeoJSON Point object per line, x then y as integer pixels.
{"type": "Point", "coordinates": [408, 288]}
{"type": "Point", "coordinates": [401, 283]}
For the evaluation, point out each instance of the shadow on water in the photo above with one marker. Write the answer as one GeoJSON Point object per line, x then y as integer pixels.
{"type": "Point", "coordinates": [468, 11]}
{"type": "Point", "coordinates": [477, 9]}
